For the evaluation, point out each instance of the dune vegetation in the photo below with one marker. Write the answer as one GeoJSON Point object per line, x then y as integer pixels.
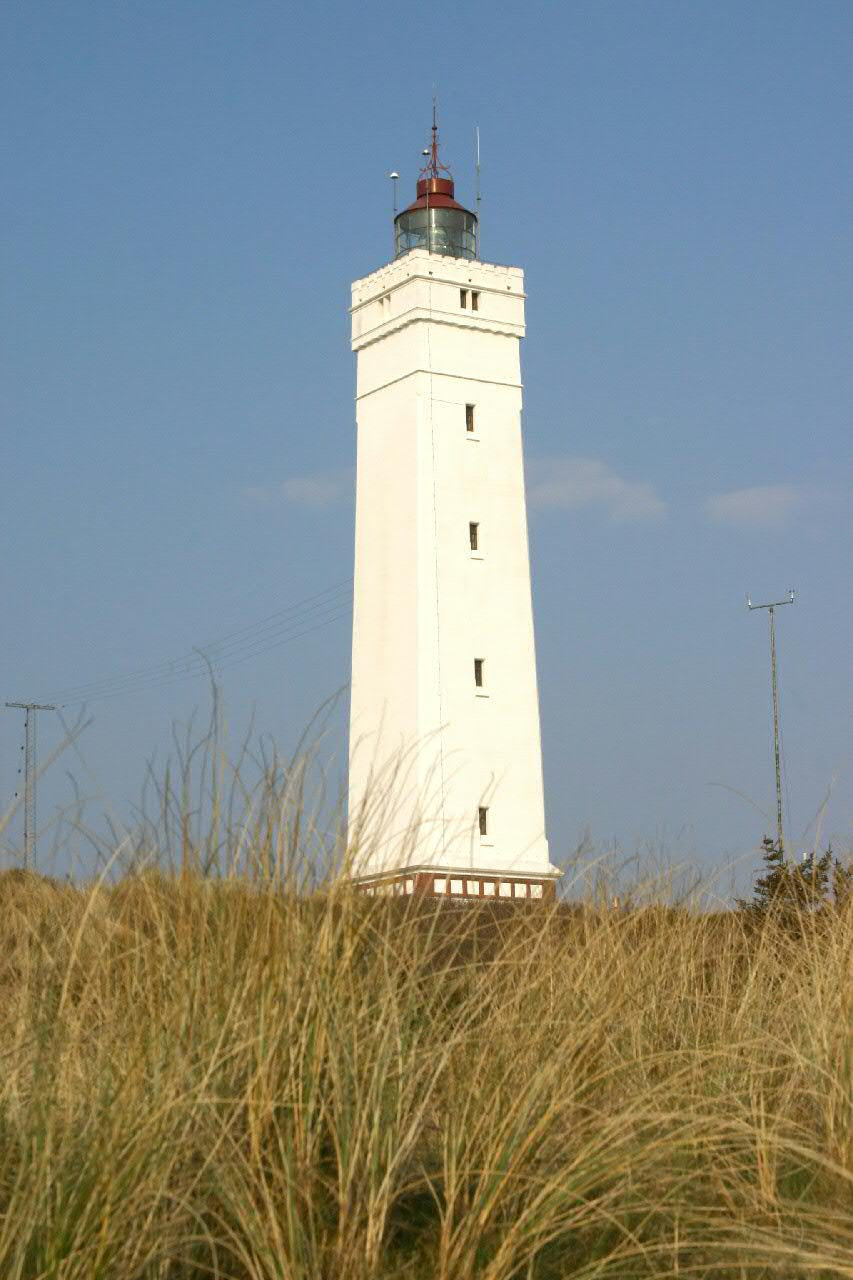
{"type": "Point", "coordinates": [250, 1073]}
{"type": "Point", "coordinates": [224, 1078]}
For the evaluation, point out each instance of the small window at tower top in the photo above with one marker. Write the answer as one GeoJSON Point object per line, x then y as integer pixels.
{"type": "Point", "coordinates": [479, 664]}
{"type": "Point", "coordinates": [483, 820]}
{"type": "Point", "coordinates": [469, 417]}
{"type": "Point", "coordinates": [475, 300]}
{"type": "Point", "coordinates": [463, 299]}
{"type": "Point", "coordinates": [474, 535]}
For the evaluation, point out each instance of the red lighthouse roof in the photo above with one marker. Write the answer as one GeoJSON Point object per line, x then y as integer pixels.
{"type": "Point", "coordinates": [433, 189]}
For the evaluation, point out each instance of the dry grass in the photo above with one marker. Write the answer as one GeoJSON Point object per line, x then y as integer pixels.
{"type": "Point", "coordinates": [221, 1077]}
{"type": "Point", "coordinates": [222, 1068]}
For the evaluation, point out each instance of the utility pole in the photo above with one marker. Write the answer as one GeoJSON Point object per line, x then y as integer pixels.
{"type": "Point", "coordinates": [30, 710]}
{"type": "Point", "coordinates": [774, 684]}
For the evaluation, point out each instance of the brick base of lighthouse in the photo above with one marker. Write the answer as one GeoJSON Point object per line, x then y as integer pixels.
{"type": "Point", "coordinates": [464, 885]}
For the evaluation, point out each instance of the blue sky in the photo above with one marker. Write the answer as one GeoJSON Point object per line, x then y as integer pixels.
{"type": "Point", "coordinates": [188, 190]}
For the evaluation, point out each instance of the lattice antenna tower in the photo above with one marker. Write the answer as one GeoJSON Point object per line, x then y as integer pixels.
{"type": "Point", "coordinates": [30, 710]}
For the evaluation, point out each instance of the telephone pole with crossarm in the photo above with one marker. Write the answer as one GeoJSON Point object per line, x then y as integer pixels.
{"type": "Point", "coordinates": [774, 684]}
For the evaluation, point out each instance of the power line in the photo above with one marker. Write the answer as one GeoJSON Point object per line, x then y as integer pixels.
{"type": "Point", "coordinates": [199, 667]}
{"type": "Point", "coordinates": [245, 640]}
{"type": "Point", "coordinates": [236, 637]}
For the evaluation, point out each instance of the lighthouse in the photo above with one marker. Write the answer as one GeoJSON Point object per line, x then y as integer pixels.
{"type": "Point", "coordinates": [445, 759]}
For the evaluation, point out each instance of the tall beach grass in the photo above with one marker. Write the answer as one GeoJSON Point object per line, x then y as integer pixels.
{"type": "Point", "coordinates": [219, 1064]}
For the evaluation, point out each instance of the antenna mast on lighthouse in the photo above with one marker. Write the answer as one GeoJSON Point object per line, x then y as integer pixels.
{"type": "Point", "coordinates": [479, 196]}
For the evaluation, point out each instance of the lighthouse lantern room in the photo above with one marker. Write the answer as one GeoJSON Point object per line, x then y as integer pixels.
{"type": "Point", "coordinates": [435, 221]}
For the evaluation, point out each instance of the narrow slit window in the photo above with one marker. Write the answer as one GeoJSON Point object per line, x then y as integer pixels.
{"type": "Point", "coordinates": [469, 417]}
{"type": "Point", "coordinates": [463, 299]}
{"type": "Point", "coordinates": [474, 535]}
{"type": "Point", "coordinates": [483, 819]}
{"type": "Point", "coordinates": [479, 664]}
{"type": "Point", "coordinates": [475, 300]}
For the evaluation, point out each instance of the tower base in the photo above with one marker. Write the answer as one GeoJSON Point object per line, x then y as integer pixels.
{"type": "Point", "coordinates": [460, 884]}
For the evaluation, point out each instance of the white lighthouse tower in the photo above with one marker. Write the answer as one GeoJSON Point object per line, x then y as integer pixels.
{"type": "Point", "coordinates": [445, 770]}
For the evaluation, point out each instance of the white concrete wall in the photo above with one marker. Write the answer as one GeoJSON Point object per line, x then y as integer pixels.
{"type": "Point", "coordinates": [427, 748]}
